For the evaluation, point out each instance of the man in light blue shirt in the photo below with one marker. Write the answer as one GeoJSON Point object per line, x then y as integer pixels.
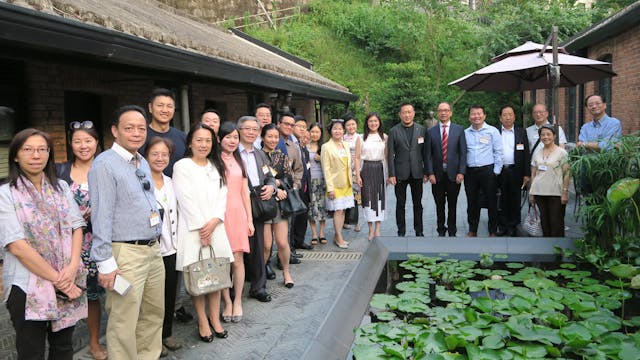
{"type": "Point", "coordinates": [603, 131]}
{"type": "Point", "coordinates": [484, 164]}
{"type": "Point", "coordinates": [126, 227]}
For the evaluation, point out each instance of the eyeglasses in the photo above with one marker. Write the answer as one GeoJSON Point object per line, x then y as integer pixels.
{"type": "Point", "coordinates": [32, 150]}
{"type": "Point", "coordinates": [539, 112]}
{"type": "Point", "coordinates": [287, 124]}
{"type": "Point", "coordinates": [143, 179]}
{"type": "Point", "coordinates": [74, 125]}
{"type": "Point", "coordinates": [251, 129]}
{"type": "Point", "coordinates": [443, 110]}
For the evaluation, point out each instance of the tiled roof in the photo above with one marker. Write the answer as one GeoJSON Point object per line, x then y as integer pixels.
{"type": "Point", "coordinates": [162, 24]}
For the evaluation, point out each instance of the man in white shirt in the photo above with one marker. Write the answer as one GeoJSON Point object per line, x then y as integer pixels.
{"type": "Point", "coordinates": [540, 115]}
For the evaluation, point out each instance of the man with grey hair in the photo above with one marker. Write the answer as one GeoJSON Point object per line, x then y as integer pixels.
{"type": "Point", "coordinates": [256, 165]}
{"type": "Point", "coordinates": [540, 116]}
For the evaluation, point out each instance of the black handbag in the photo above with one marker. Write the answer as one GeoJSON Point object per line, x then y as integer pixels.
{"type": "Point", "coordinates": [262, 210]}
{"type": "Point", "coordinates": [351, 215]}
{"type": "Point", "coordinates": [292, 204]}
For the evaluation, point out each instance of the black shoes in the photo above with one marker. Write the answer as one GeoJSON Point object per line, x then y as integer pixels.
{"type": "Point", "coordinates": [292, 261]}
{"type": "Point", "coordinates": [401, 233]}
{"type": "Point", "coordinates": [262, 297]}
{"type": "Point", "coordinates": [304, 246]}
{"type": "Point", "coordinates": [270, 273]}
{"type": "Point", "coordinates": [295, 254]}
{"type": "Point", "coordinates": [419, 234]}
{"type": "Point", "coordinates": [183, 316]}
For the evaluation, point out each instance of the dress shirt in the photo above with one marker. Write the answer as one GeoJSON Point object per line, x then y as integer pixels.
{"type": "Point", "coordinates": [250, 164]}
{"type": "Point", "coordinates": [508, 144]}
{"type": "Point", "coordinates": [282, 146]}
{"type": "Point", "coordinates": [484, 147]}
{"type": "Point", "coordinates": [605, 132]}
{"type": "Point", "coordinates": [441, 127]}
{"type": "Point", "coordinates": [120, 206]}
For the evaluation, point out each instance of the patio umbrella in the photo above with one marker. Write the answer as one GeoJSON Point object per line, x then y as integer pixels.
{"type": "Point", "coordinates": [523, 68]}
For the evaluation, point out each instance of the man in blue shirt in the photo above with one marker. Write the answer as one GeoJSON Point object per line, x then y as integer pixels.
{"type": "Point", "coordinates": [603, 131]}
{"type": "Point", "coordinates": [484, 164]}
{"type": "Point", "coordinates": [126, 227]}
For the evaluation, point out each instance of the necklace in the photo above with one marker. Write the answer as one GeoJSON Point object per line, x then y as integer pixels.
{"type": "Point", "coordinates": [226, 156]}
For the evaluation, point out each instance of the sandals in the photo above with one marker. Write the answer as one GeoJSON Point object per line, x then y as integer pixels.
{"type": "Point", "coordinates": [323, 240]}
{"type": "Point", "coordinates": [314, 241]}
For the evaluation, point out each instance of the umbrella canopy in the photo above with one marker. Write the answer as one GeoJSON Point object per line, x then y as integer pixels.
{"type": "Point", "coordinates": [524, 69]}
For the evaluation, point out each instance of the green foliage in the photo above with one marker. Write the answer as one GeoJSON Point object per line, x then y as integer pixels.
{"type": "Point", "coordinates": [609, 214]}
{"type": "Point", "coordinates": [409, 50]}
{"type": "Point", "coordinates": [530, 314]}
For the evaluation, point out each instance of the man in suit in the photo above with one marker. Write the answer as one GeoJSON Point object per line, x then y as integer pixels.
{"type": "Point", "coordinates": [299, 222]}
{"type": "Point", "coordinates": [404, 157]}
{"type": "Point", "coordinates": [256, 166]}
{"type": "Point", "coordinates": [516, 170]}
{"type": "Point", "coordinates": [484, 164]}
{"type": "Point", "coordinates": [445, 160]}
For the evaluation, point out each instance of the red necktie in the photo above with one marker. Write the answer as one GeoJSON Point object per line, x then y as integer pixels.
{"type": "Point", "coordinates": [445, 143]}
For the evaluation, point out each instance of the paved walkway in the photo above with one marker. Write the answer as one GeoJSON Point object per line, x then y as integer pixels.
{"type": "Point", "coordinates": [281, 329]}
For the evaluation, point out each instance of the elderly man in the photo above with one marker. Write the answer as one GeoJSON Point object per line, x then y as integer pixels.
{"type": "Point", "coordinates": [263, 116]}
{"type": "Point", "coordinates": [602, 132]}
{"type": "Point", "coordinates": [484, 164]}
{"type": "Point", "coordinates": [126, 228]}
{"type": "Point", "coordinates": [540, 116]}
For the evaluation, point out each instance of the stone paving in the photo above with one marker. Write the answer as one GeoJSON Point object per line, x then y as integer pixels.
{"type": "Point", "coordinates": [282, 328]}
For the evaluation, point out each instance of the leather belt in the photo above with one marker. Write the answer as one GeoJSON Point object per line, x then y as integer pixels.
{"type": "Point", "coordinates": [149, 242]}
{"type": "Point", "coordinates": [508, 166]}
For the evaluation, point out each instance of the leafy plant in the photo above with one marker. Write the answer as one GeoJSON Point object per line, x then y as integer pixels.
{"type": "Point", "coordinates": [523, 312]}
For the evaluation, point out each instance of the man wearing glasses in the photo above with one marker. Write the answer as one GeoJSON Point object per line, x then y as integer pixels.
{"type": "Point", "coordinates": [126, 227]}
{"type": "Point", "coordinates": [540, 116]}
{"type": "Point", "coordinates": [603, 131]}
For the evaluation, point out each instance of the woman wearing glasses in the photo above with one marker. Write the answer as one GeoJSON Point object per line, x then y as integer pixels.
{"type": "Point", "coordinates": [336, 166]}
{"type": "Point", "coordinates": [41, 227]}
{"type": "Point", "coordinates": [200, 185]}
{"type": "Point", "coordinates": [84, 148]}
{"type": "Point", "coordinates": [158, 153]}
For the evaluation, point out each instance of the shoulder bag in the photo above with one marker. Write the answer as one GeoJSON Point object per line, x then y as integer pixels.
{"type": "Point", "coordinates": [207, 275]}
{"type": "Point", "coordinates": [262, 210]}
{"type": "Point", "coordinates": [292, 204]}
{"type": "Point", "coordinates": [532, 225]}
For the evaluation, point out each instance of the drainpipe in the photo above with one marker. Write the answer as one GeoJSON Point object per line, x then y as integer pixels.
{"type": "Point", "coordinates": [184, 100]}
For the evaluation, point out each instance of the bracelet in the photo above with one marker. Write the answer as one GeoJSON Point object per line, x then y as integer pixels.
{"type": "Point", "coordinates": [565, 189]}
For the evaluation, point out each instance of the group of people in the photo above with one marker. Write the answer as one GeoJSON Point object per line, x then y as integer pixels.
{"type": "Point", "coordinates": [159, 199]}
{"type": "Point", "coordinates": [490, 161]}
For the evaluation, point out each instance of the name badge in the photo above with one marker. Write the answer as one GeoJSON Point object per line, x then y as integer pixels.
{"type": "Point", "coordinates": [84, 187]}
{"type": "Point", "coordinates": [542, 167]}
{"type": "Point", "coordinates": [265, 169]}
{"type": "Point", "coordinates": [484, 140]}
{"type": "Point", "coordinates": [308, 165]}
{"type": "Point", "coordinates": [273, 171]}
{"type": "Point", "coordinates": [519, 146]}
{"type": "Point", "coordinates": [421, 140]}
{"type": "Point", "coordinates": [154, 218]}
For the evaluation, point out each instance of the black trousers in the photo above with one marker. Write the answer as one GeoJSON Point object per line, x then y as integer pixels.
{"type": "Point", "coordinates": [475, 179]}
{"type": "Point", "coordinates": [170, 290]}
{"type": "Point", "coordinates": [31, 336]}
{"type": "Point", "coordinates": [401, 199]}
{"type": "Point", "coordinates": [509, 213]}
{"type": "Point", "coordinates": [445, 193]}
{"type": "Point", "coordinates": [551, 215]}
{"type": "Point", "coordinates": [299, 224]}
{"type": "Point", "coordinates": [254, 260]}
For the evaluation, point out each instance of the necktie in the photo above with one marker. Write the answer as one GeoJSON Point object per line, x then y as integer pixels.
{"type": "Point", "coordinates": [445, 143]}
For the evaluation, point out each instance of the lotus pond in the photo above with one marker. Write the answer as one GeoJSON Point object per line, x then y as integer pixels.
{"type": "Point", "coordinates": [462, 309]}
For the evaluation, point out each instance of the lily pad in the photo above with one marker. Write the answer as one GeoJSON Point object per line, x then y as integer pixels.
{"type": "Point", "coordinates": [384, 301]}
{"type": "Point", "coordinates": [624, 271]}
{"type": "Point", "coordinates": [539, 283]}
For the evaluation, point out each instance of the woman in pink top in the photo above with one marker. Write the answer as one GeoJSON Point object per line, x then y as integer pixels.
{"type": "Point", "coordinates": [238, 219]}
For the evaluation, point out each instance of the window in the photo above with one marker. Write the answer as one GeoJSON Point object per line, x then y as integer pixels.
{"type": "Point", "coordinates": [604, 87]}
{"type": "Point", "coordinates": [570, 131]}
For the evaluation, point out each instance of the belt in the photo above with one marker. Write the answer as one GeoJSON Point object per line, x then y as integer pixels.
{"type": "Point", "coordinates": [149, 242]}
{"type": "Point", "coordinates": [480, 167]}
{"type": "Point", "coordinates": [508, 166]}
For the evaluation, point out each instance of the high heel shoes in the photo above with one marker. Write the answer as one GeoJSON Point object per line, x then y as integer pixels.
{"type": "Point", "coordinates": [344, 245]}
{"type": "Point", "coordinates": [220, 335]}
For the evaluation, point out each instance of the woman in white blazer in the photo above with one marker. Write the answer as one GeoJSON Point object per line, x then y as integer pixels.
{"type": "Point", "coordinates": [201, 190]}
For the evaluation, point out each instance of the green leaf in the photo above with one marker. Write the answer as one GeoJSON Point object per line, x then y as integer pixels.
{"type": "Point", "coordinates": [624, 271]}
{"type": "Point", "coordinates": [483, 304]}
{"type": "Point", "coordinates": [622, 189]}
{"type": "Point", "coordinates": [493, 342]}
{"type": "Point", "coordinates": [395, 350]}
{"type": "Point", "coordinates": [412, 306]}
{"type": "Point", "coordinates": [530, 351]}
{"type": "Point", "coordinates": [539, 283]}
{"type": "Point", "coordinates": [635, 282]}
{"type": "Point", "coordinates": [384, 301]}
{"type": "Point", "coordinates": [385, 316]}
{"type": "Point", "coordinates": [629, 351]}
{"type": "Point", "coordinates": [576, 335]}
{"type": "Point", "coordinates": [372, 351]}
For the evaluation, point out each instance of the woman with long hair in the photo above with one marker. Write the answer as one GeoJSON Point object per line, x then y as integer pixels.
{"type": "Point", "coordinates": [550, 178]}
{"type": "Point", "coordinates": [41, 228]}
{"type": "Point", "coordinates": [238, 221]}
{"type": "Point", "coordinates": [317, 193]}
{"type": "Point", "coordinates": [84, 148]}
{"type": "Point", "coordinates": [371, 178]}
{"type": "Point", "coordinates": [336, 166]}
{"type": "Point", "coordinates": [278, 227]}
{"type": "Point", "coordinates": [201, 190]}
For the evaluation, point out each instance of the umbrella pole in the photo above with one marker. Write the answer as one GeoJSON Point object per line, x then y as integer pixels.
{"type": "Point", "coordinates": [554, 70]}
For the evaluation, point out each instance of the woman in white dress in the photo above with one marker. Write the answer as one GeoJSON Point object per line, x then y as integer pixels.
{"type": "Point", "coordinates": [372, 176]}
{"type": "Point", "coordinates": [355, 141]}
{"type": "Point", "coordinates": [201, 190]}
